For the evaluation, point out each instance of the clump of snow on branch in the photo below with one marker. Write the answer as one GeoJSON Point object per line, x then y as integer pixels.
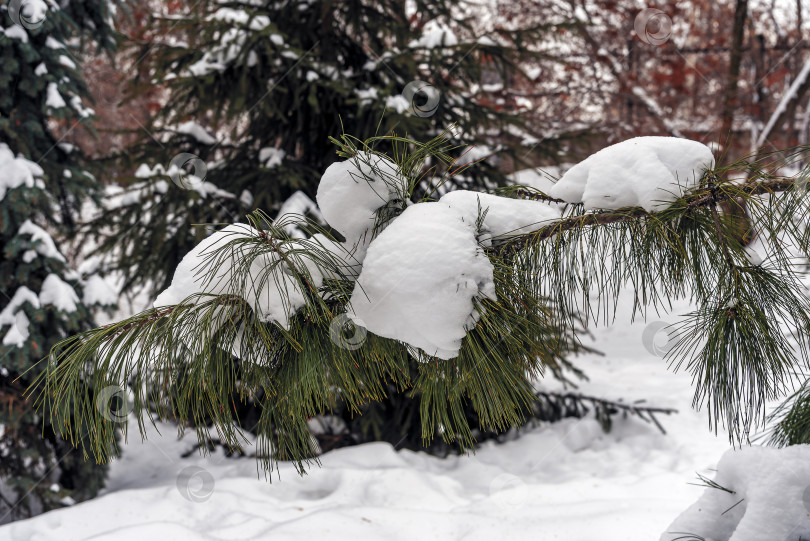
{"type": "Point", "coordinates": [420, 277]}
{"type": "Point", "coordinates": [16, 172]}
{"type": "Point", "coordinates": [351, 192]}
{"type": "Point", "coordinates": [58, 293]}
{"type": "Point", "coordinates": [502, 216]}
{"type": "Point", "coordinates": [268, 284]}
{"type": "Point", "coordinates": [418, 274]}
{"type": "Point", "coordinates": [42, 242]}
{"type": "Point", "coordinates": [271, 157]}
{"type": "Point", "coordinates": [14, 315]}
{"type": "Point", "coordinates": [293, 211]}
{"type": "Point", "coordinates": [766, 496]}
{"type": "Point", "coordinates": [196, 131]}
{"type": "Point", "coordinates": [191, 277]}
{"type": "Point", "coordinates": [435, 34]}
{"type": "Point", "coordinates": [648, 172]}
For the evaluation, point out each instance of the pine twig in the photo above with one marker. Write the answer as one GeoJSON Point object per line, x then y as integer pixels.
{"type": "Point", "coordinates": [699, 199]}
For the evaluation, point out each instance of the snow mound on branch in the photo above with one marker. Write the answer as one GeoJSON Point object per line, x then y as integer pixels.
{"type": "Point", "coordinates": [197, 132]}
{"type": "Point", "coordinates": [504, 216]}
{"type": "Point", "coordinates": [212, 268]}
{"type": "Point", "coordinates": [16, 172]}
{"type": "Point", "coordinates": [435, 34]}
{"type": "Point", "coordinates": [293, 211]}
{"type": "Point", "coordinates": [14, 315]}
{"type": "Point", "coordinates": [44, 244]}
{"type": "Point", "coordinates": [648, 172]}
{"type": "Point", "coordinates": [420, 277]}
{"type": "Point", "coordinates": [350, 192]}
{"type": "Point", "coordinates": [770, 499]}
{"type": "Point", "coordinates": [58, 293]}
{"type": "Point", "coordinates": [271, 157]}
{"type": "Point", "coordinates": [97, 291]}
{"type": "Point", "coordinates": [268, 285]}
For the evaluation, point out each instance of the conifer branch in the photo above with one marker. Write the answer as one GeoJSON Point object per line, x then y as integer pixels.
{"type": "Point", "coordinates": [703, 198]}
{"type": "Point", "coordinates": [191, 361]}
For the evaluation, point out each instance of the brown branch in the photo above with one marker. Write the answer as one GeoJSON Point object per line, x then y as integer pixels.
{"type": "Point", "coordinates": [157, 314]}
{"type": "Point", "coordinates": [703, 198]}
{"type": "Point", "coordinates": [735, 59]}
{"type": "Point", "coordinates": [536, 196]}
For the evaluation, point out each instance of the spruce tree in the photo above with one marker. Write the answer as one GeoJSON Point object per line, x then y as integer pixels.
{"type": "Point", "coordinates": [42, 185]}
{"type": "Point", "coordinates": [253, 89]}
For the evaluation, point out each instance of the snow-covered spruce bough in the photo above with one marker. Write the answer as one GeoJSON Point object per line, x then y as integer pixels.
{"type": "Point", "coordinates": [485, 290]}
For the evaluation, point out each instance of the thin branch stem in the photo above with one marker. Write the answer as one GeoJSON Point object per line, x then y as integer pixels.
{"type": "Point", "coordinates": [696, 200]}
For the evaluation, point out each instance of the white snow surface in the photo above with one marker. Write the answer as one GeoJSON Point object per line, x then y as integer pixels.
{"type": "Point", "coordinates": [271, 157]}
{"type": "Point", "coordinates": [420, 277]}
{"type": "Point", "coordinates": [277, 295]}
{"type": "Point", "coordinates": [96, 290]}
{"type": "Point", "coordinates": [15, 31]}
{"type": "Point", "coordinates": [194, 275]}
{"type": "Point", "coordinates": [58, 293]}
{"type": "Point", "coordinates": [16, 171]}
{"type": "Point", "coordinates": [562, 482]}
{"type": "Point", "coordinates": [13, 315]}
{"type": "Point", "coordinates": [397, 103]}
{"type": "Point", "coordinates": [504, 216]}
{"type": "Point", "coordinates": [45, 246]}
{"type": "Point", "coordinates": [21, 296]}
{"type": "Point", "coordinates": [770, 498]}
{"type": "Point", "coordinates": [196, 131]}
{"type": "Point", "coordinates": [54, 98]}
{"type": "Point", "coordinates": [293, 211]}
{"type": "Point", "coordinates": [351, 191]}
{"type": "Point", "coordinates": [18, 333]}
{"type": "Point", "coordinates": [648, 172]}
{"type": "Point", "coordinates": [435, 34]}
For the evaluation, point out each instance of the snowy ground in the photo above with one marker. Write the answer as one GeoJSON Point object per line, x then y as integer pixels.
{"type": "Point", "coordinates": [567, 481]}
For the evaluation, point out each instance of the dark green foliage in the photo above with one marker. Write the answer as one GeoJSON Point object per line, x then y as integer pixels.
{"type": "Point", "coordinates": [40, 470]}
{"type": "Point", "coordinates": [288, 76]}
{"type": "Point", "coordinates": [793, 420]}
{"type": "Point", "coordinates": [178, 361]}
{"type": "Point", "coordinates": [291, 76]}
{"type": "Point", "coordinates": [748, 338]}
{"type": "Point", "coordinates": [298, 373]}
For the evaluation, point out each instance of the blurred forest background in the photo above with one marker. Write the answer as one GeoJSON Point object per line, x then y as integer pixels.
{"type": "Point", "coordinates": [528, 83]}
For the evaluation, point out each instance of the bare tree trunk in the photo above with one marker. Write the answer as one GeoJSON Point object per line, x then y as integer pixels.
{"type": "Point", "coordinates": [735, 59]}
{"type": "Point", "coordinates": [733, 208]}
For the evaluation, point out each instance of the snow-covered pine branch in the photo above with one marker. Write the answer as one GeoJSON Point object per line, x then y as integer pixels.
{"type": "Point", "coordinates": [485, 290]}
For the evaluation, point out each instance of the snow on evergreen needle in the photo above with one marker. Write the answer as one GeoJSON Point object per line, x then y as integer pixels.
{"type": "Point", "coordinates": [485, 290]}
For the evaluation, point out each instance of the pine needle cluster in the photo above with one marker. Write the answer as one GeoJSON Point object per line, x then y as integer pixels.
{"type": "Point", "coordinates": [744, 343]}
